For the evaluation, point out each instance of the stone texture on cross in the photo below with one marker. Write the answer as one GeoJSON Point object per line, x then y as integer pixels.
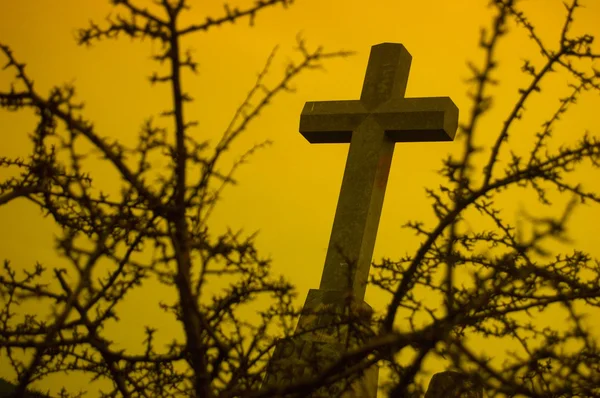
{"type": "Point", "coordinates": [372, 125]}
{"type": "Point", "coordinates": [451, 384]}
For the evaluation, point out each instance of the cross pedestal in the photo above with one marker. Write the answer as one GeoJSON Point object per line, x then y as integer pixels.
{"type": "Point", "coordinates": [450, 384]}
{"type": "Point", "coordinates": [317, 344]}
{"type": "Point", "coordinates": [371, 125]}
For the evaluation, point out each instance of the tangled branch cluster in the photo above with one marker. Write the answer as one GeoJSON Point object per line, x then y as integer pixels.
{"type": "Point", "coordinates": [514, 275]}
{"type": "Point", "coordinates": [223, 353]}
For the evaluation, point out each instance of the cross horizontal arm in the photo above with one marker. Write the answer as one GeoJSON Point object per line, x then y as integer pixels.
{"type": "Point", "coordinates": [402, 120]}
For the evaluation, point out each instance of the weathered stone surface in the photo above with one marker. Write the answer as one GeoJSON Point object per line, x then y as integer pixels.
{"type": "Point", "coordinates": [319, 344]}
{"type": "Point", "coordinates": [372, 125]}
{"type": "Point", "coordinates": [299, 359]}
{"type": "Point", "coordinates": [324, 308]}
{"type": "Point", "coordinates": [452, 384]}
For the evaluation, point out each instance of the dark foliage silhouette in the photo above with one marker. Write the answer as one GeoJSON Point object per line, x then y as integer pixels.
{"type": "Point", "coordinates": [224, 355]}
{"type": "Point", "coordinates": [7, 389]}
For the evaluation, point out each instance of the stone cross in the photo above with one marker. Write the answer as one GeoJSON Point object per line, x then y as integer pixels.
{"type": "Point", "coordinates": [372, 125]}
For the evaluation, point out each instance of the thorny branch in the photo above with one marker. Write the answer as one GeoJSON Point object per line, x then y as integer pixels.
{"type": "Point", "coordinates": [171, 215]}
{"type": "Point", "coordinates": [517, 274]}
{"type": "Point", "coordinates": [225, 354]}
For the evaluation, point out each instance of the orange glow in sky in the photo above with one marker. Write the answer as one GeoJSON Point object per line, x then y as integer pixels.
{"type": "Point", "coordinates": [289, 190]}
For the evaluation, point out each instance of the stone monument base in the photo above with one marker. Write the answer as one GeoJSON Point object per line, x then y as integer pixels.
{"type": "Point", "coordinates": [319, 342]}
{"type": "Point", "coordinates": [450, 384]}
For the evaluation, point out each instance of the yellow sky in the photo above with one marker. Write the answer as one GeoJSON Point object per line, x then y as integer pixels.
{"type": "Point", "coordinates": [288, 191]}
